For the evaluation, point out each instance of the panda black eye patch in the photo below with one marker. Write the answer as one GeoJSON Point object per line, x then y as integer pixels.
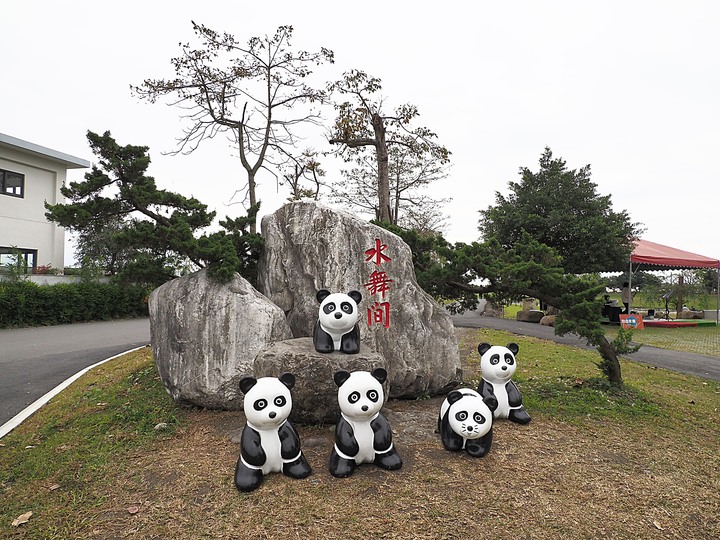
{"type": "Point", "coordinates": [479, 418]}
{"type": "Point", "coordinates": [495, 359]}
{"type": "Point", "coordinates": [260, 404]}
{"type": "Point", "coordinates": [461, 416]}
{"type": "Point", "coordinates": [329, 307]}
{"type": "Point", "coordinates": [509, 360]}
{"type": "Point", "coordinates": [346, 307]}
{"type": "Point", "coordinates": [280, 401]}
{"type": "Point", "coordinates": [354, 397]}
{"type": "Point", "coordinates": [372, 395]}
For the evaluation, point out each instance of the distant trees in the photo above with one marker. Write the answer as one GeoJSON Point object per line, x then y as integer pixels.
{"type": "Point", "coordinates": [562, 209]}
{"type": "Point", "coordinates": [144, 234]}
{"type": "Point", "coordinates": [402, 158]}
{"type": "Point", "coordinates": [255, 92]}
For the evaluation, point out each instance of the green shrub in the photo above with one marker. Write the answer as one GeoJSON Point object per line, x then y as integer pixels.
{"type": "Point", "coordinates": [24, 303]}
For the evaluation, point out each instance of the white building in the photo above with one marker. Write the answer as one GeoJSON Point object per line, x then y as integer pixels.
{"type": "Point", "coordinates": [30, 175]}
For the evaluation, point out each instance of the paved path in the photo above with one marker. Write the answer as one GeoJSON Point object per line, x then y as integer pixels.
{"type": "Point", "coordinates": [707, 367]}
{"type": "Point", "coordinates": [33, 361]}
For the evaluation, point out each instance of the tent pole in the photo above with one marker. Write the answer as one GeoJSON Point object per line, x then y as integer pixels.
{"type": "Point", "coordinates": [717, 307]}
{"type": "Point", "coordinates": [630, 288]}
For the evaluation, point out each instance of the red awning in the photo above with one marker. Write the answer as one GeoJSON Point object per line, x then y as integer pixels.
{"type": "Point", "coordinates": [666, 258]}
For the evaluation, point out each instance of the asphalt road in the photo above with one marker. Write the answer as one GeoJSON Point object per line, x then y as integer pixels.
{"type": "Point", "coordinates": [33, 361]}
{"type": "Point", "coordinates": [707, 367]}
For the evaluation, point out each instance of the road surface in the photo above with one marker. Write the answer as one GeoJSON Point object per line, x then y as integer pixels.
{"type": "Point", "coordinates": [33, 361]}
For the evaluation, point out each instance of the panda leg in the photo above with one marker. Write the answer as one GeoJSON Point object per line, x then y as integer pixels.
{"type": "Point", "coordinates": [479, 447]}
{"type": "Point", "coordinates": [299, 468]}
{"type": "Point", "coordinates": [341, 467]}
{"type": "Point", "coordinates": [390, 460]}
{"type": "Point", "coordinates": [519, 415]}
{"type": "Point", "coordinates": [247, 479]}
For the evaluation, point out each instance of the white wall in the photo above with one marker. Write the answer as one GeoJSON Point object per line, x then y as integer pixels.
{"type": "Point", "coordinates": [22, 220]}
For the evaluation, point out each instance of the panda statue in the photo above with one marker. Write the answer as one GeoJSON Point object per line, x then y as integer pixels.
{"type": "Point", "coordinates": [336, 328]}
{"type": "Point", "coordinates": [465, 423]}
{"type": "Point", "coordinates": [497, 366]}
{"type": "Point", "coordinates": [362, 435]}
{"type": "Point", "coordinates": [269, 442]}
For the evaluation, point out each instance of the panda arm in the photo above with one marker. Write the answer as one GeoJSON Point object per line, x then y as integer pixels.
{"type": "Point", "coordinates": [488, 395]}
{"type": "Point", "coordinates": [350, 343]}
{"type": "Point", "coordinates": [451, 440]}
{"type": "Point", "coordinates": [251, 447]}
{"type": "Point", "coordinates": [345, 438]}
{"type": "Point", "coordinates": [382, 438]}
{"type": "Point", "coordinates": [514, 396]}
{"type": "Point", "coordinates": [322, 340]}
{"type": "Point", "coordinates": [289, 441]}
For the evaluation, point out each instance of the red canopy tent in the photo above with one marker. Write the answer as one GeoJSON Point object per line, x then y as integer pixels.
{"type": "Point", "coordinates": [667, 258]}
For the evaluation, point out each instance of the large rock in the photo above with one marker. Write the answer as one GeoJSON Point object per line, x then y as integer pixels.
{"type": "Point", "coordinates": [309, 247]}
{"type": "Point", "coordinates": [315, 393]}
{"type": "Point", "coordinates": [205, 337]}
{"type": "Point", "coordinates": [531, 315]}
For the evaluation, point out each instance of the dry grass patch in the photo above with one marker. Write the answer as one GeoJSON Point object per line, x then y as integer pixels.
{"type": "Point", "coordinates": [565, 475]}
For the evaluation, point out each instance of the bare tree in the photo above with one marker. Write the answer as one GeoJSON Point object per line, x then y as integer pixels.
{"type": "Point", "coordinates": [303, 175]}
{"type": "Point", "coordinates": [361, 124]}
{"type": "Point", "coordinates": [255, 93]}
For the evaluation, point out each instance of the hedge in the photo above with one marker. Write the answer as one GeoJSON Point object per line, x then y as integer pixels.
{"type": "Point", "coordinates": [24, 303]}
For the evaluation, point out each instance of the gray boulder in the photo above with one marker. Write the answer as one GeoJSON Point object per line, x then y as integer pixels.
{"type": "Point", "coordinates": [315, 393]}
{"type": "Point", "coordinates": [531, 315]}
{"type": "Point", "coordinates": [309, 246]}
{"type": "Point", "coordinates": [205, 337]}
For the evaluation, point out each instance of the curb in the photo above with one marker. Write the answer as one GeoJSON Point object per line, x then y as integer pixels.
{"type": "Point", "coordinates": [28, 411]}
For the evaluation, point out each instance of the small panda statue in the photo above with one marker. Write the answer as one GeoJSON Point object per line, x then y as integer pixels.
{"type": "Point", "coordinates": [465, 423]}
{"type": "Point", "coordinates": [269, 442]}
{"type": "Point", "coordinates": [336, 328]}
{"type": "Point", "coordinates": [497, 366]}
{"type": "Point", "coordinates": [362, 435]}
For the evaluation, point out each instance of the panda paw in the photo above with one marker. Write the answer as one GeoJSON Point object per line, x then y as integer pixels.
{"type": "Point", "coordinates": [341, 467]}
{"type": "Point", "coordinates": [299, 468]}
{"type": "Point", "coordinates": [390, 461]}
{"type": "Point", "coordinates": [519, 416]}
{"type": "Point", "coordinates": [247, 479]}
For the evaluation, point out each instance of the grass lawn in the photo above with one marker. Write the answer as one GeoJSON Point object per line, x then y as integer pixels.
{"type": "Point", "coordinates": [642, 462]}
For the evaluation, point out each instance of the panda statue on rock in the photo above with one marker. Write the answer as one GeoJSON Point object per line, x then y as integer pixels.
{"type": "Point", "coordinates": [336, 328]}
{"type": "Point", "coordinates": [269, 442]}
{"type": "Point", "coordinates": [497, 366]}
{"type": "Point", "coordinates": [465, 423]}
{"type": "Point", "coordinates": [362, 435]}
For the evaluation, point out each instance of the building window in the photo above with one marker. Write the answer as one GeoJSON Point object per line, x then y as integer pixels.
{"type": "Point", "coordinates": [12, 183]}
{"type": "Point", "coordinates": [12, 258]}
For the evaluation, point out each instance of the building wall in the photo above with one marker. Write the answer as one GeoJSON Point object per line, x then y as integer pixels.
{"type": "Point", "coordinates": [22, 220]}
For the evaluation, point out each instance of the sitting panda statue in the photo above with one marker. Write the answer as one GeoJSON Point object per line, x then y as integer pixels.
{"type": "Point", "coordinates": [497, 366]}
{"type": "Point", "coordinates": [336, 328]}
{"type": "Point", "coordinates": [362, 435]}
{"type": "Point", "coordinates": [465, 423]}
{"type": "Point", "coordinates": [269, 442]}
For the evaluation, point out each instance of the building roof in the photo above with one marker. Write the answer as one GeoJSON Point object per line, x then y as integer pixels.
{"type": "Point", "coordinates": [666, 258]}
{"type": "Point", "coordinates": [70, 162]}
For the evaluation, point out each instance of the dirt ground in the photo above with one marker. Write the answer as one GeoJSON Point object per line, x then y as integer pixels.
{"type": "Point", "coordinates": [544, 480]}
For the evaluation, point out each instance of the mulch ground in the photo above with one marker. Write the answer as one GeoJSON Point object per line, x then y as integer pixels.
{"type": "Point", "coordinates": [545, 480]}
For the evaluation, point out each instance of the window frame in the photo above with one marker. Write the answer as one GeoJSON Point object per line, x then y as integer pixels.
{"type": "Point", "coordinates": [3, 184]}
{"type": "Point", "coordinates": [29, 256]}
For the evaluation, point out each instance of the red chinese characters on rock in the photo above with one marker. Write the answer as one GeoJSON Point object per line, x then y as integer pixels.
{"type": "Point", "coordinates": [378, 284]}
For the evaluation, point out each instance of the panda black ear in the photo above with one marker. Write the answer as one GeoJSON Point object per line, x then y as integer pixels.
{"type": "Point", "coordinates": [483, 348]}
{"type": "Point", "coordinates": [340, 377]}
{"type": "Point", "coordinates": [288, 379]}
{"type": "Point", "coordinates": [247, 383]}
{"type": "Point", "coordinates": [355, 295]}
{"type": "Point", "coordinates": [380, 374]}
{"type": "Point", "coordinates": [322, 294]}
{"type": "Point", "coordinates": [514, 348]}
{"type": "Point", "coordinates": [454, 396]}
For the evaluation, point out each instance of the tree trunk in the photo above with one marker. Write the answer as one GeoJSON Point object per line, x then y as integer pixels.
{"type": "Point", "coordinates": [610, 365]}
{"type": "Point", "coordinates": [384, 211]}
{"type": "Point", "coordinates": [253, 200]}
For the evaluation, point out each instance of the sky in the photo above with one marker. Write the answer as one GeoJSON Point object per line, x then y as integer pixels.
{"type": "Point", "coordinates": [629, 87]}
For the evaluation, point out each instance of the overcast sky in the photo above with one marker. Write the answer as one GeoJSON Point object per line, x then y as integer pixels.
{"type": "Point", "coordinates": [630, 87]}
